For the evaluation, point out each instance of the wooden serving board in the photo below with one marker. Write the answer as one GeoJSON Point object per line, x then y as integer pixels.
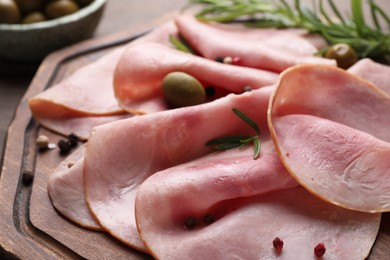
{"type": "Point", "coordinates": [30, 228]}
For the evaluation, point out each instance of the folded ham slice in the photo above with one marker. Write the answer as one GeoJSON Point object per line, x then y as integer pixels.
{"type": "Point", "coordinates": [374, 72]}
{"type": "Point", "coordinates": [89, 92]}
{"type": "Point", "coordinates": [122, 154]}
{"type": "Point", "coordinates": [66, 190]}
{"type": "Point", "coordinates": [248, 203]}
{"type": "Point", "coordinates": [269, 53]}
{"type": "Point", "coordinates": [331, 131]}
{"type": "Point", "coordinates": [141, 69]}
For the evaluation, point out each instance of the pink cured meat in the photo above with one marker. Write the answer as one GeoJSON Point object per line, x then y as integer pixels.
{"type": "Point", "coordinates": [115, 168]}
{"type": "Point", "coordinates": [86, 99]}
{"type": "Point", "coordinates": [330, 129]}
{"type": "Point", "coordinates": [140, 71]}
{"type": "Point", "coordinates": [66, 191]}
{"type": "Point", "coordinates": [252, 202]}
{"type": "Point", "coordinates": [89, 90]}
{"type": "Point", "coordinates": [80, 126]}
{"type": "Point", "coordinates": [374, 72]}
{"type": "Point", "coordinates": [271, 53]}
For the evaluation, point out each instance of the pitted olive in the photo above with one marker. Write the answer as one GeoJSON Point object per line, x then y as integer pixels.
{"type": "Point", "coordinates": [344, 55]}
{"type": "Point", "coordinates": [9, 12]}
{"type": "Point", "coordinates": [60, 8]}
{"type": "Point", "coordinates": [34, 17]}
{"type": "Point", "coordinates": [29, 6]}
{"type": "Point", "coordinates": [181, 89]}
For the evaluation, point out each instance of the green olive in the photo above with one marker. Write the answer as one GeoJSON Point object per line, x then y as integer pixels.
{"type": "Point", "coordinates": [344, 55]}
{"type": "Point", "coordinates": [29, 6]}
{"type": "Point", "coordinates": [61, 8]}
{"type": "Point", "coordinates": [181, 89]}
{"type": "Point", "coordinates": [9, 12]}
{"type": "Point", "coordinates": [84, 2]}
{"type": "Point", "coordinates": [34, 17]}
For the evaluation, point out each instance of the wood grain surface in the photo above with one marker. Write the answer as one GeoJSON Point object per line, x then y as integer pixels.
{"type": "Point", "coordinates": [30, 228]}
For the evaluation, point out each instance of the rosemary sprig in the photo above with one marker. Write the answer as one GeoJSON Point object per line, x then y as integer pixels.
{"type": "Point", "coordinates": [230, 142]}
{"type": "Point", "coordinates": [180, 44]}
{"type": "Point", "coordinates": [372, 41]}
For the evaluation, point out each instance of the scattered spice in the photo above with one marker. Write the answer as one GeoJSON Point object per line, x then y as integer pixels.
{"type": "Point", "coordinates": [236, 61]}
{"type": "Point", "coordinates": [42, 142]}
{"type": "Point", "coordinates": [70, 164]}
{"type": "Point", "coordinates": [210, 91]}
{"type": "Point", "coordinates": [27, 177]}
{"type": "Point", "coordinates": [319, 250]}
{"type": "Point", "coordinates": [73, 139]}
{"type": "Point", "coordinates": [64, 146]}
{"type": "Point", "coordinates": [219, 59]}
{"type": "Point", "coordinates": [190, 223]}
{"type": "Point", "coordinates": [228, 60]}
{"type": "Point", "coordinates": [278, 243]}
{"type": "Point", "coordinates": [208, 219]}
{"type": "Point", "coordinates": [247, 89]}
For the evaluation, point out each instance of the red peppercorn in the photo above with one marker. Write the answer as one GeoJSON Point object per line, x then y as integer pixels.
{"type": "Point", "coordinates": [236, 61]}
{"type": "Point", "coordinates": [277, 243]}
{"type": "Point", "coordinates": [319, 250]}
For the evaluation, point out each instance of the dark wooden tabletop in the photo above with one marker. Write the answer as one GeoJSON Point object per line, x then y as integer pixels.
{"type": "Point", "coordinates": [15, 77]}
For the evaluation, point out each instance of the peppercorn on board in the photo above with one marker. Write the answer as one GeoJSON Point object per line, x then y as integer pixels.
{"type": "Point", "coordinates": [29, 220]}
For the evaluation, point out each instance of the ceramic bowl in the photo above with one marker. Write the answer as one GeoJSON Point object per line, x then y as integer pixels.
{"type": "Point", "coordinates": [32, 42]}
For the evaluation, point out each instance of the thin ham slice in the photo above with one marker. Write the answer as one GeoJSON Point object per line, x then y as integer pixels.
{"type": "Point", "coordinates": [88, 93]}
{"type": "Point", "coordinates": [80, 126]}
{"type": "Point", "coordinates": [276, 52]}
{"type": "Point", "coordinates": [374, 72]}
{"type": "Point", "coordinates": [252, 202]}
{"type": "Point", "coordinates": [330, 129]}
{"type": "Point", "coordinates": [141, 69]}
{"type": "Point", "coordinates": [66, 190]}
{"type": "Point", "coordinates": [122, 154]}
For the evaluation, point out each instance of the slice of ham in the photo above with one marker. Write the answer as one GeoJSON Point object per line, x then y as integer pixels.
{"type": "Point", "coordinates": [141, 69]}
{"type": "Point", "coordinates": [271, 53]}
{"type": "Point", "coordinates": [374, 72]}
{"type": "Point", "coordinates": [252, 202]}
{"type": "Point", "coordinates": [330, 129]}
{"type": "Point", "coordinates": [122, 154]}
{"type": "Point", "coordinates": [80, 126]}
{"type": "Point", "coordinates": [66, 190]}
{"type": "Point", "coordinates": [89, 91]}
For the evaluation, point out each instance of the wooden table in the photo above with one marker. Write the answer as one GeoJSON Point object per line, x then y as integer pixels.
{"type": "Point", "coordinates": [15, 77]}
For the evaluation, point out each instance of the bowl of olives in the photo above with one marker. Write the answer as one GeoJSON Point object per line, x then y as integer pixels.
{"type": "Point", "coordinates": [31, 29]}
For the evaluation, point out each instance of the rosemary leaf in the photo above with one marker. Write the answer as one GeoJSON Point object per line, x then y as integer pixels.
{"type": "Point", "coordinates": [179, 44]}
{"type": "Point", "coordinates": [249, 121]}
{"type": "Point", "coordinates": [239, 141]}
{"type": "Point", "coordinates": [368, 41]}
{"type": "Point", "coordinates": [257, 147]}
{"type": "Point", "coordinates": [227, 139]}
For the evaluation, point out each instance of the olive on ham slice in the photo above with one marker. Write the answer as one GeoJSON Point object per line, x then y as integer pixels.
{"type": "Point", "coordinates": [228, 206]}
{"type": "Point", "coordinates": [141, 69]}
{"type": "Point", "coordinates": [331, 131]}
{"type": "Point", "coordinates": [122, 154]}
{"type": "Point", "coordinates": [275, 52]}
{"type": "Point", "coordinates": [88, 92]}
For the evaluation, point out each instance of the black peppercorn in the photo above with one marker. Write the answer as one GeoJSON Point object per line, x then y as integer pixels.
{"type": "Point", "coordinates": [190, 223]}
{"type": "Point", "coordinates": [73, 140]}
{"type": "Point", "coordinates": [27, 177]}
{"type": "Point", "coordinates": [208, 219]}
{"type": "Point", "coordinates": [64, 146]}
